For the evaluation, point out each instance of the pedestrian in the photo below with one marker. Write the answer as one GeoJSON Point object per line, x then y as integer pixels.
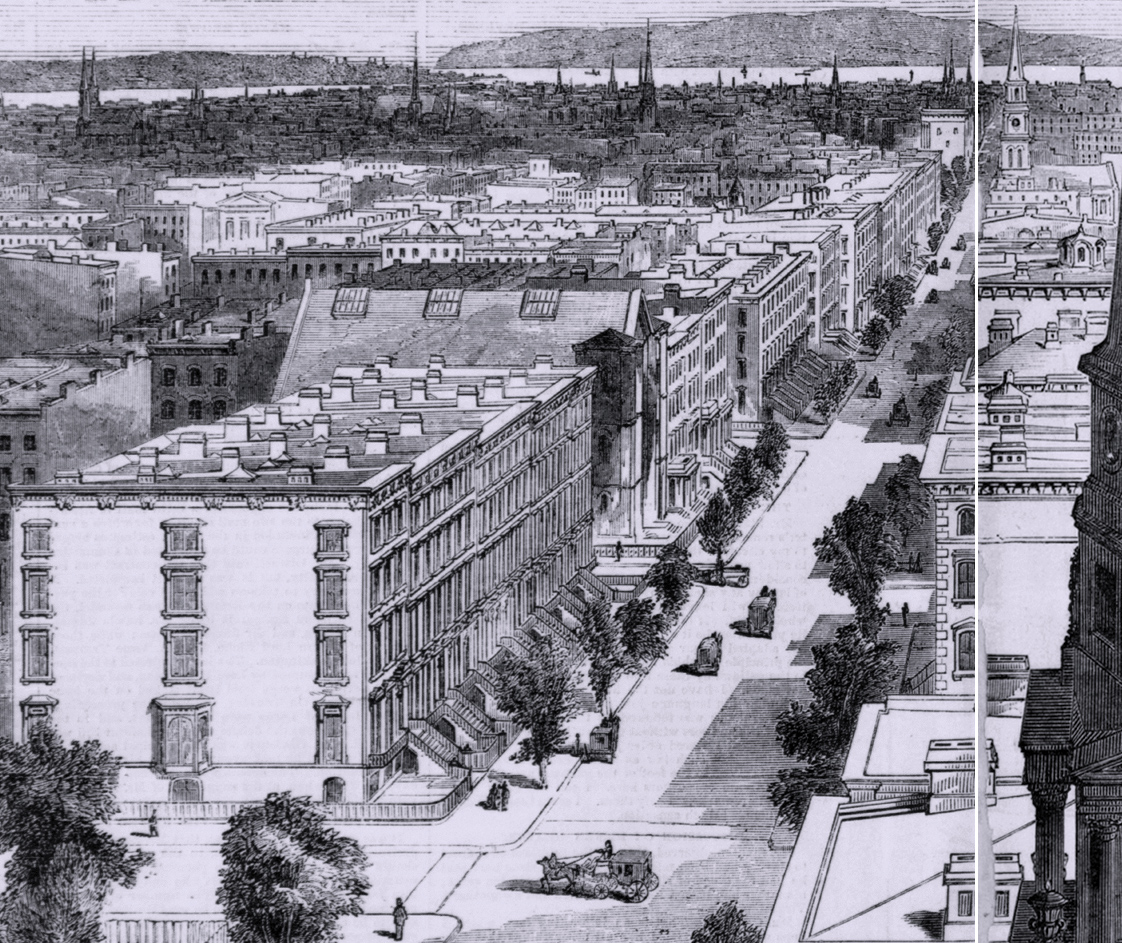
{"type": "Point", "coordinates": [619, 550]}
{"type": "Point", "coordinates": [153, 826]}
{"type": "Point", "coordinates": [919, 562]}
{"type": "Point", "coordinates": [904, 610]}
{"type": "Point", "coordinates": [504, 795]}
{"type": "Point", "coordinates": [399, 917]}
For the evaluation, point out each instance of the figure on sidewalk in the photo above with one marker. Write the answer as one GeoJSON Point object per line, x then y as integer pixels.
{"type": "Point", "coordinates": [399, 917]}
{"type": "Point", "coordinates": [504, 796]}
{"type": "Point", "coordinates": [904, 610]}
{"type": "Point", "coordinates": [619, 550]}
{"type": "Point", "coordinates": [153, 825]}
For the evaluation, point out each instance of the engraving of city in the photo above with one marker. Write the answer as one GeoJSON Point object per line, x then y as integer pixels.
{"type": "Point", "coordinates": [543, 473]}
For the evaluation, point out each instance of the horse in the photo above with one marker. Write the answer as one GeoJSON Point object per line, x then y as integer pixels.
{"type": "Point", "coordinates": [554, 871]}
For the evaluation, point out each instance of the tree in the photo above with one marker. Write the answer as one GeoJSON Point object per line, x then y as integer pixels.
{"type": "Point", "coordinates": [727, 924]}
{"type": "Point", "coordinates": [909, 504]}
{"type": "Point", "coordinates": [746, 483]}
{"type": "Point", "coordinates": [539, 692]}
{"type": "Point", "coordinates": [671, 578]}
{"type": "Point", "coordinates": [931, 402]}
{"type": "Point", "coordinates": [642, 634]}
{"type": "Point", "coordinates": [53, 797]}
{"type": "Point", "coordinates": [716, 529]}
{"type": "Point", "coordinates": [935, 233]}
{"type": "Point", "coordinates": [863, 553]}
{"type": "Point", "coordinates": [286, 876]}
{"type": "Point", "coordinates": [875, 333]}
{"type": "Point", "coordinates": [830, 393]}
{"type": "Point", "coordinates": [892, 299]}
{"type": "Point", "coordinates": [600, 636]}
{"type": "Point", "coordinates": [772, 446]}
{"type": "Point", "coordinates": [849, 671]}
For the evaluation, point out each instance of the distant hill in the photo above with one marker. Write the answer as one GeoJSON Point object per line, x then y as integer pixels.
{"type": "Point", "coordinates": [179, 69]}
{"type": "Point", "coordinates": [861, 37]}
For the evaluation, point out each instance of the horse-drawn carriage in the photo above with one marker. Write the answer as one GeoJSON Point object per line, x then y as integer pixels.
{"type": "Point", "coordinates": [872, 389]}
{"type": "Point", "coordinates": [624, 874]}
{"type": "Point", "coordinates": [900, 415]}
{"type": "Point", "coordinates": [603, 740]}
{"type": "Point", "coordinates": [708, 658]}
{"type": "Point", "coordinates": [761, 615]}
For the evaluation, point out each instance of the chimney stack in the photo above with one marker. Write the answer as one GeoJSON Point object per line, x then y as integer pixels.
{"type": "Point", "coordinates": [387, 399]}
{"type": "Point", "coordinates": [411, 424]}
{"type": "Point", "coordinates": [278, 445]}
{"type": "Point", "coordinates": [237, 429]}
{"type": "Point", "coordinates": [336, 458]}
{"type": "Point", "coordinates": [231, 458]}
{"type": "Point", "coordinates": [192, 446]}
{"type": "Point", "coordinates": [493, 390]}
{"type": "Point", "coordinates": [342, 390]}
{"type": "Point", "coordinates": [321, 426]}
{"type": "Point", "coordinates": [467, 397]}
{"type": "Point", "coordinates": [376, 443]}
{"type": "Point", "coordinates": [273, 417]}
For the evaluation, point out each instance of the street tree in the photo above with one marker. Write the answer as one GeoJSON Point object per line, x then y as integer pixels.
{"type": "Point", "coordinates": [931, 402]}
{"type": "Point", "coordinates": [863, 553]}
{"type": "Point", "coordinates": [772, 446]}
{"type": "Point", "coordinates": [935, 233]}
{"type": "Point", "coordinates": [286, 876]}
{"type": "Point", "coordinates": [642, 634]}
{"type": "Point", "coordinates": [746, 483]}
{"type": "Point", "coordinates": [849, 671]}
{"type": "Point", "coordinates": [53, 798]}
{"type": "Point", "coordinates": [671, 578]}
{"type": "Point", "coordinates": [539, 693]}
{"type": "Point", "coordinates": [892, 299]}
{"type": "Point", "coordinates": [830, 393]}
{"type": "Point", "coordinates": [716, 529]}
{"type": "Point", "coordinates": [875, 333]}
{"type": "Point", "coordinates": [727, 924]}
{"type": "Point", "coordinates": [909, 503]}
{"type": "Point", "coordinates": [600, 636]}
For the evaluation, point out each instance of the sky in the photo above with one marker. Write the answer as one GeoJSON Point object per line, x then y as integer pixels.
{"type": "Point", "coordinates": [59, 28]}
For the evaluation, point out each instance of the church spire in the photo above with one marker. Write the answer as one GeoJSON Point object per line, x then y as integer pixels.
{"type": "Point", "coordinates": [835, 80]}
{"type": "Point", "coordinates": [613, 85]}
{"type": "Point", "coordinates": [1016, 72]}
{"type": "Point", "coordinates": [415, 104]}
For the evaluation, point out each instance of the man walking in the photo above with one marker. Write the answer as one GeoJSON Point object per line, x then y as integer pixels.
{"type": "Point", "coordinates": [504, 795]}
{"type": "Point", "coordinates": [399, 917]}
{"type": "Point", "coordinates": [153, 827]}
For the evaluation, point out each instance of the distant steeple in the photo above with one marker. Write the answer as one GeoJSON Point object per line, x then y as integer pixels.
{"type": "Point", "coordinates": [1082, 71]}
{"type": "Point", "coordinates": [1016, 72]}
{"type": "Point", "coordinates": [613, 85]}
{"type": "Point", "coordinates": [95, 89]}
{"type": "Point", "coordinates": [559, 88]}
{"type": "Point", "coordinates": [835, 79]}
{"type": "Point", "coordinates": [415, 104]}
{"type": "Point", "coordinates": [648, 95]}
{"type": "Point", "coordinates": [720, 83]}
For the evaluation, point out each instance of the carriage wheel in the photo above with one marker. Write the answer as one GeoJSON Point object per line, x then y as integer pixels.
{"type": "Point", "coordinates": [600, 891]}
{"type": "Point", "coordinates": [639, 893]}
{"type": "Point", "coordinates": [652, 881]}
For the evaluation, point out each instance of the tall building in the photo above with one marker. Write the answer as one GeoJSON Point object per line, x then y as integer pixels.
{"type": "Point", "coordinates": [1016, 153]}
{"type": "Point", "coordinates": [648, 94]}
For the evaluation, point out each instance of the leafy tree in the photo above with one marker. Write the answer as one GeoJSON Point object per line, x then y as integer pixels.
{"type": "Point", "coordinates": [830, 393]}
{"type": "Point", "coordinates": [931, 402]}
{"type": "Point", "coordinates": [539, 692]}
{"type": "Point", "coordinates": [947, 217]}
{"type": "Point", "coordinates": [600, 636]}
{"type": "Point", "coordinates": [863, 553]}
{"type": "Point", "coordinates": [671, 578]}
{"type": "Point", "coordinates": [849, 671]}
{"type": "Point", "coordinates": [772, 446]}
{"type": "Point", "coordinates": [716, 529]}
{"type": "Point", "coordinates": [746, 483]}
{"type": "Point", "coordinates": [909, 504]}
{"type": "Point", "coordinates": [62, 865]}
{"type": "Point", "coordinates": [892, 299]}
{"type": "Point", "coordinates": [935, 233]}
{"type": "Point", "coordinates": [875, 333]}
{"type": "Point", "coordinates": [642, 633]}
{"type": "Point", "coordinates": [727, 924]}
{"type": "Point", "coordinates": [286, 876]}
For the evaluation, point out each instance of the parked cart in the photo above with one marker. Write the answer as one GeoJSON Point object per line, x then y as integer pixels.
{"type": "Point", "coordinates": [708, 658]}
{"type": "Point", "coordinates": [603, 740]}
{"type": "Point", "coordinates": [761, 615]}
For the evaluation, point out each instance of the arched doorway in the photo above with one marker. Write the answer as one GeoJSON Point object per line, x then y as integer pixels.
{"type": "Point", "coordinates": [186, 790]}
{"type": "Point", "coordinates": [334, 790]}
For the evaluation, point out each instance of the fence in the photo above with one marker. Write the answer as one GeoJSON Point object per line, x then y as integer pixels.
{"type": "Point", "coordinates": [166, 928]}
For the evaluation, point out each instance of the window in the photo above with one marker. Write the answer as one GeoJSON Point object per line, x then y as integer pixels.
{"type": "Point", "coordinates": [1105, 601]}
{"type": "Point", "coordinates": [964, 651]}
{"type": "Point", "coordinates": [742, 369]}
{"type": "Point", "coordinates": [966, 522]}
{"type": "Point", "coordinates": [219, 376]}
{"type": "Point", "coordinates": [169, 376]}
{"type": "Point", "coordinates": [37, 655]}
{"type": "Point", "coordinates": [37, 538]}
{"type": "Point", "coordinates": [167, 409]}
{"type": "Point", "coordinates": [1001, 904]}
{"type": "Point", "coordinates": [29, 442]}
{"type": "Point", "coordinates": [37, 709]}
{"type": "Point", "coordinates": [331, 539]}
{"type": "Point", "coordinates": [29, 476]}
{"type": "Point", "coordinates": [182, 538]}
{"type": "Point", "coordinates": [331, 742]}
{"type": "Point", "coordinates": [331, 656]}
{"type": "Point", "coordinates": [332, 594]}
{"type": "Point", "coordinates": [334, 790]}
{"type": "Point", "coordinates": [966, 903]}
{"type": "Point", "coordinates": [36, 592]}
{"type": "Point", "coordinates": [194, 377]}
{"type": "Point", "coordinates": [181, 592]}
{"type": "Point", "coordinates": [182, 732]}
{"type": "Point", "coordinates": [195, 410]}
{"type": "Point", "coordinates": [186, 790]}
{"type": "Point", "coordinates": [964, 580]}
{"type": "Point", "coordinates": [179, 741]}
{"type": "Point", "coordinates": [5, 443]}
{"type": "Point", "coordinates": [218, 409]}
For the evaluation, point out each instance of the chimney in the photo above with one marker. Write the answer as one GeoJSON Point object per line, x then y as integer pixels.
{"type": "Point", "coordinates": [387, 399]}
{"type": "Point", "coordinates": [237, 429]}
{"type": "Point", "coordinates": [411, 424]}
{"type": "Point", "coordinates": [282, 298]}
{"type": "Point", "coordinates": [383, 360]}
{"type": "Point", "coordinates": [517, 379]}
{"type": "Point", "coordinates": [208, 328]}
{"type": "Point", "coordinates": [321, 426]}
{"type": "Point", "coordinates": [273, 417]}
{"type": "Point", "coordinates": [342, 390]}
{"type": "Point", "coordinates": [176, 300]}
{"type": "Point", "coordinates": [220, 301]}
{"type": "Point", "coordinates": [371, 375]}
{"type": "Point", "coordinates": [433, 377]}
{"type": "Point", "coordinates": [543, 363]}
{"type": "Point", "coordinates": [192, 446]}
{"type": "Point", "coordinates": [467, 397]}
{"type": "Point", "coordinates": [231, 458]}
{"type": "Point", "coordinates": [493, 390]}
{"type": "Point", "coordinates": [1052, 336]}
{"type": "Point", "coordinates": [579, 273]}
{"type": "Point", "coordinates": [376, 443]}
{"type": "Point", "coordinates": [278, 445]}
{"type": "Point", "coordinates": [310, 400]}
{"type": "Point", "coordinates": [149, 456]}
{"type": "Point", "coordinates": [437, 361]}
{"type": "Point", "coordinates": [417, 388]}
{"type": "Point", "coordinates": [336, 458]}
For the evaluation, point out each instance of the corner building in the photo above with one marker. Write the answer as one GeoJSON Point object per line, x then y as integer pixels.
{"type": "Point", "coordinates": [315, 595]}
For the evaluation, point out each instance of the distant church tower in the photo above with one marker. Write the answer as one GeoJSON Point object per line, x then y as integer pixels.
{"type": "Point", "coordinates": [89, 94]}
{"type": "Point", "coordinates": [648, 96]}
{"type": "Point", "coordinates": [613, 85]}
{"type": "Point", "coordinates": [415, 104]}
{"type": "Point", "coordinates": [1016, 156]}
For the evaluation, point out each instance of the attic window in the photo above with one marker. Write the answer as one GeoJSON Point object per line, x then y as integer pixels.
{"type": "Point", "coordinates": [444, 303]}
{"type": "Point", "coordinates": [540, 304]}
{"type": "Point", "coordinates": [350, 303]}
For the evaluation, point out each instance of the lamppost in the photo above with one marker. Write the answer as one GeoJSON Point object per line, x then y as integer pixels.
{"type": "Point", "coordinates": [1048, 924]}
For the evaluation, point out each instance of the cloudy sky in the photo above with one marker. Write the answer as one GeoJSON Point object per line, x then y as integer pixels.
{"type": "Point", "coordinates": [48, 28]}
